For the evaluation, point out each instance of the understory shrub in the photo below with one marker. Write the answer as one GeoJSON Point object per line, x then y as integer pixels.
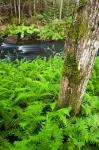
{"type": "Point", "coordinates": [54, 30]}
{"type": "Point", "coordinates": [28, 120]}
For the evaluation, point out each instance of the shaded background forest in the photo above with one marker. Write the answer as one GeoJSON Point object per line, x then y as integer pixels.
{"type": "Point", "coordinates": [11, 10]}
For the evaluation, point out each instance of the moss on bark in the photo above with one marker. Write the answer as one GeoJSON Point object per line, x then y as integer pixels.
{"type": "Point", "coordinates": [82, 2]}
{"type": "Point", "coordinates": [70, 70]}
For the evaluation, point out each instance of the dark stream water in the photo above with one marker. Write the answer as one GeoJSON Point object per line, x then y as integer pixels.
{"type": "Point", "coordinates": [30, 49]}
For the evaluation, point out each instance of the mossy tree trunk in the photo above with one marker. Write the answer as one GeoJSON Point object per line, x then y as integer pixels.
{"type": "Point", "coordinates": [79, 54]}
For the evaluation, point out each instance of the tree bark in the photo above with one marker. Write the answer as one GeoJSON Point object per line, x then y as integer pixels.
{"type": "Point", "coordinates": [61, 8]}
{"type": "Point", "coordinates": [34, 8]}
{"type": "Point", "coordinates": [15, 7]}
{"type": "Point", "coordinates": [19, 10]}
{"type": "Point", "coordinates": [79, 54]}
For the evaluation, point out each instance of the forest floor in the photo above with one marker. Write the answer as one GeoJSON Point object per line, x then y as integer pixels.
{"type": "Point", "coordinates": [28, 118]}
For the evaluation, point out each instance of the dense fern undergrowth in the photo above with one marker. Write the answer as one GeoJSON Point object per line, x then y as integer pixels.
{"type": "Point", "coordinates": [28, 120]}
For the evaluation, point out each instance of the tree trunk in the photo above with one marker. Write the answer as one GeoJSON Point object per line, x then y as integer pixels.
{"type": "Point", "coordinates": [34, 8]}
{"type": "Point", "coordinates": [79, 54]}
{"type": "Point", "coordinates": [30, 8]}
{"type": "Point", "coordinates": [15, 7]}
{"type": "Point", "coordinates": [61, 7]}
{"type": "Point", "coordinates": [19, 10]}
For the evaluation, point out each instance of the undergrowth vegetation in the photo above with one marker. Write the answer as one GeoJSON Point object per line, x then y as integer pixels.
{"type": "Point", "coordinates": [28, 120]}
{"type": "Point", "coordinates": [53, 30]}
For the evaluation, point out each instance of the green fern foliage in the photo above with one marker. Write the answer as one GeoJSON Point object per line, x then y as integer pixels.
{"type": "Point", "coordinates": [28, 118]}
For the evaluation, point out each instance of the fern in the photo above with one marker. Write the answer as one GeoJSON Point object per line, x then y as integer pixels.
{"type": "Point", "coordinates": [28, 118]}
